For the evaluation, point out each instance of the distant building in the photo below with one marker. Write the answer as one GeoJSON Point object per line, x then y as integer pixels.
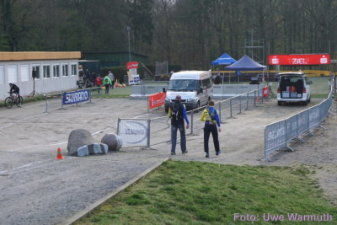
{"type": "Point", "coordinates": [53, 71]}
{"type": "Point", "coordinates": [101, 60]}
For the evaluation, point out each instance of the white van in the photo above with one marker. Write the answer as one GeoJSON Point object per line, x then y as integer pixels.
{"type": "Point", "coordinates": [194, 87]}
{"type": "Point", "coordinates": [293, 87]}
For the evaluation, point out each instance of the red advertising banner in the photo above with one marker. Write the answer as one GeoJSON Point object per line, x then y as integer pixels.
{"type": "Point", "coordinates": [157, 100]}
{"type": "Point", "coordinates": [132, 65]}
{"type": "Point", "coordinates": [301, 59]}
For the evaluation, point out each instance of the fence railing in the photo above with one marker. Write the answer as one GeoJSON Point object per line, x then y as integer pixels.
{"type": "Point", "coordinates": [221, 90]}
{"type": "Point", "coordinates": [227, 108]}
{"type": "Point", "coordinates": [144, 90]}
{"type": "Point", "coordinates": [63, 98]}
{"type": "Point", "coordinates": [278, 135]}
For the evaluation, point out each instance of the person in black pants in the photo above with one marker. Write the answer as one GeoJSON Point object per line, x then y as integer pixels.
{"type": "Point", "coordinates": [177, 114]}
{"type": "Point", "coordinates": [212, 124]}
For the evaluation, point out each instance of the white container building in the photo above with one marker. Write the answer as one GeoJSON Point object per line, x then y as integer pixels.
{"type": "Point", "coordinates": [53, 71]}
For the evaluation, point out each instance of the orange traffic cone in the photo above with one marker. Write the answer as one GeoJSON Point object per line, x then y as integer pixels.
{"type": "Point", "coordinates": [59, 154]}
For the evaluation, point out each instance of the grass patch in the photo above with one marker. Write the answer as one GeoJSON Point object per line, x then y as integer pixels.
{"type": "Point", "coordinates": [205, 193]}
{"type": "Point", "coordinates": [319, 95]}
{"type": "Point", "coordinates": [28, 99]}
{"type": "Point", "coordinates": [109, 95]}
{"type": "Point", "coordinates": [113, 93]}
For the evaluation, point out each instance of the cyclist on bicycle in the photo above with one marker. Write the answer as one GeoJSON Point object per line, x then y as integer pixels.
{"type": "Point", "coordinates": [14, 89]}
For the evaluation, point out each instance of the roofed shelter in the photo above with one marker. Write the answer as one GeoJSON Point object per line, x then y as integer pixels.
{"type": "Point", "coordinates": [245, 64]}
{"type": "Point", "coordinates": [53, 71]}
{"type": "Point", "coordinates": [224, 59]}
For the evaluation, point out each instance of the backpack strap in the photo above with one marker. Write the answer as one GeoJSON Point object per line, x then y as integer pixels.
{"type": "Point", "coordinates": [211, 118]}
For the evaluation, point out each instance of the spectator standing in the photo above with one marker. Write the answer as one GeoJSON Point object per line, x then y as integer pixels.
{"type": "Point", "coordinates": [107, 83]}
{"type": "Point", "coordinates": [98, 83]}
{"type": "Point", "coordinates": [112, 78]}
{"type": "Point", "coordinates": [177, 113]}
{"type": "Point", "coordinates": [217, 79]}
{"type": "Point", "coordinates": [212, 122]}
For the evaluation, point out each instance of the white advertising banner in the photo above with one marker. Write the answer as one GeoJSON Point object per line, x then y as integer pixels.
{"type": "Point", "coordinates": [133, 132]}
{"type": "Point", "coordinates": [133, 75]}
{"type": "Point", "coordinates": [135, 79]}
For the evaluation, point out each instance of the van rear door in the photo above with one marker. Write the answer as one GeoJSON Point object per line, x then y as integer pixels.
{"type": "Point", "coordinates": [291, 87]}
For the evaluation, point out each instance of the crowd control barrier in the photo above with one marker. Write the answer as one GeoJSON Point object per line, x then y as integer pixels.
{"type": "Point", "coordinates": [134, 132]}
{"type": "Point", "coordinates": [156, 100]}
{"type": "Point", "coordinates": [149, 131]}
{"type": "Point", "coordinates": [67, 98]}
{"type": "Point", "coordinates": [76, 97]}
{"type": "Point", "coordinates": [219, 91]}
{"type": "Point", "coordinates": [278, 135]}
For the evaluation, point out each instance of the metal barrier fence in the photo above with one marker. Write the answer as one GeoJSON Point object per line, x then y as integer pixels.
{"type": "Point", "coordinates": [57, 101]}
{"type": "Point", "coordinates": [222, 90]}
{"type": "Point", "coordinates": [144, 90]}
{"type": "Point", "coordinates": [227, 108]}
{"type": "Point", "coordinates": [278, 135]}
{"type": "Point", "coordinates": [232, 89]}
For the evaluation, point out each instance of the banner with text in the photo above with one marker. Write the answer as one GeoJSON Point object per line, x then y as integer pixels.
{"type": "Point", "coordinates": [132, 65]}
{"type": "Point", "coordinates": [133, 75]}
{"type": "Point", "coordinates": [300, 59]}
{"type": "Point", "coordinates": [134, 132]}
{"type": "Point", "coordinates": [156, 100]}
{"type": "Point", "coordinates": [75, 97]}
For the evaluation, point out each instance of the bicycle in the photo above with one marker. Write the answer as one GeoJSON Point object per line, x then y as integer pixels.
{"type": "Point", "coordinates": [13, 99]}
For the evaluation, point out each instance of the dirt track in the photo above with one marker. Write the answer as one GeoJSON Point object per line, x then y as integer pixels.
{"type": "Point", "coordinates": [37, 189]}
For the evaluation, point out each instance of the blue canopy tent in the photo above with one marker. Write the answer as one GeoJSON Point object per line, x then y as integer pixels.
{"type": "Point", "coordinates": [224, 59]}
{"type": "Point", "coordinates": [245, 64]}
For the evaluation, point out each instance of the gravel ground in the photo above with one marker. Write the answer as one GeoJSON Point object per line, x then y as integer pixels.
{"type": "Point", "coordinates": [37, 189]}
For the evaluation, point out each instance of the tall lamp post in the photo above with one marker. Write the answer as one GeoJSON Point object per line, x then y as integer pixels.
{"type": "Point", "coordinates": [128, 29]}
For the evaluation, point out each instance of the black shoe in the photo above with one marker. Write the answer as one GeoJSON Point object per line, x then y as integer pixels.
{"type": "Point", "coordinates": [218, 152]}
{"type": "Point", "coordinates": [173, 153]}
{"type": "Point", "coordinates": [184, 152]}
{"type": "Point", "coordinates": [207, 155]}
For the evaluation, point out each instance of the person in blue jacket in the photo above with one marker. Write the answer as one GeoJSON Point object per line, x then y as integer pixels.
{"type": "Point", "coordinates": [177, 113]}
{"type": "Point", "coordinates": [212, 125]}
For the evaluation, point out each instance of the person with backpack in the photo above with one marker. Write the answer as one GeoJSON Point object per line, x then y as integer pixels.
{"type": "Point", "coordinates": [212, 124]}
{"type": "Point", "coordinates": [177, 113]}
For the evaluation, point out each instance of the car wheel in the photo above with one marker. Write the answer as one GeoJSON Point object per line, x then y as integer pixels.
{"type": "Point", "coordinates": [279, 103]}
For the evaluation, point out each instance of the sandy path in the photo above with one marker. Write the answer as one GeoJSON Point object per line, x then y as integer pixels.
{"type": "Point", "coordinates": [37, 189]}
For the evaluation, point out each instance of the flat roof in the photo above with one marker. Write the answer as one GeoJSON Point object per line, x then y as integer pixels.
{"type": "Point", "coordinates": [25, 56]}
{"type": "Point", "coordinates": [190, 74]}
{"type": "Point", "coordinates": [112, 53]}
